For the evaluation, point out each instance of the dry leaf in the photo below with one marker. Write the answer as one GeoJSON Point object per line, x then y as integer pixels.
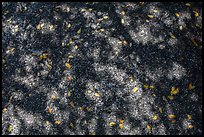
{"type": "Point", "coordinates": [135, 89]}
{"type": "Point", "coordinates": [97, 95]}
{"type": "Point", "coordinates": [194, 42]}
{"type": "Point", "coordinates": [79, 31]}
{"type": "Point", "coordinates": [160, 110]}
{"type": "Point", "coordinates": [188, 4]}
{"type": "Point", "coordinates": [121, 121]}
{"type": "Point", "coordinates": [155, 117]}
{"type": "Point", "coordinates": [171, 116]}
{"type": "Point", "coordinates": [171, 97]}
{"type": "Point", "coordinates": [151, 86]}
{"type": "Point", "coordinates": [105, 17]}
{"type": "Point", "coordinates": [174, 90]}
{"type": "Point", "coordinates": [112, 124]}
{"type": "Point", "coordinates": [123, 12]}
{"type": "Point", "coordinates": [172, 36]}
{"type": "Point", "coordinates": [148, 127]}
{"type": "Point", "coordinates": [146, 86]}
{"type": "Point", "coordinates": [54, 97]}
{"type": "Point", "coordinates": [189, 117]}
{"type": "Point", "coordinates": [122, 21]}
{"type": "Point", "coordinates": [68, 65]}
{"type": "Point", "coordinates": [150, 16]}
{"type": "Point", "coordinates": [69, 93]}
{"type": "Point", "coordinates": [72, 104]}
{"type": "Point", "coordinates": [121, 126]}
{"type": "Point", "coordinates": [177, 14]}
{"type": "Point", "coordinates": [190, 126]}
{"type": "Point", "coordinates": [196, 13]}
{"type": "Point", "coordinates": [50, 110]}
{"type": "Point", "coordinates": [71, 125]}
{"type": "Point", "coordinates": [10, 128]}
{"type": "Point", "coordinates": [58, 122]}
{"type": "Point", "coordinates": [190, 86]}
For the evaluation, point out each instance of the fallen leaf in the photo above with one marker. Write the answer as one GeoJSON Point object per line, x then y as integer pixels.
{"type": "Point", "coordinates": [71, 125]}
{"type": "Point", "coordinates": [72, 104]}
{"type": "Point", "coordinates": [69, 93]}
{"type": "Point", "coordinates": [148, 127]}
{"type": "Point", "coordinates": [5, 109]}
{"type": "Point", "coordinates": [174, 90]}
{"type": "Point", "coordinates": [171, 116]}
{"type": "Point", "coordinates": [121, 126]}
{"type": "Point", "coordinates": [171, 97]}
{"type": "Point", "coordinates": [69, 25]}
{"type": "Point", "coordinates": [112, 124]}
{"type": "Point", "coordinates": [10, 128]}
{"type": "Point", "coordinates": [121, 121]}
{"type": "Point", "coordinates": [150, 16]}
{"type": "Point", "coordinates": [155, 117]}
{"type": "Point", "coordinates": [160, 110]}
{"type": "Point", "coordinates": [79, 31]}
{"type": "Point", "coordinates": [177, 14]}
{"type": "Point", "coordinates": [105, 17]}
{"type": "Point", "coordinates": [122, 21]}
{"type": "Point", "coordinates": [190, 86]}
{"type": "Point", "coordinates": [146, 86]}
{"type": "Point", "coordinates": [58, 122]}
{"type": "Point", "coordinates": [54, 97]}
{"type": "Point", "coordinates": [189, 117]}
{"type": "Point", "coordinates": [68, 65]}
{"type": "Point", "coordinates": [172, 36]}
{"type": "Point", "coordinates": [194, 42]}
{"type": "Point", "coordinates": [196, 13]}
{"type": "Point", "coordinates": [188, 4]}
{"type": "Point", "coordinates": [97, 95]}
{"type": "Point", "coordinates": [123, 12]}
{"type": "Point", "coordinates": [50, 110]}
{"type": "Point", "coordinates": [190, 126]}
{"type": "Point", "coordinates": [151, 86]}
{"type": "Point", "coordinates": [135, 89]}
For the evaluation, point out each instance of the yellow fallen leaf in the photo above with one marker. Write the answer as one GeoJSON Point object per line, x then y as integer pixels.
{"type": "Point", "coordinates": [102, 30]}
{"type": "Point", "coordinates": [190, 86]}
{"type": "Point", "coordinates": [171, 97]}
{"type": "Point", "coordinates": [68, 65]}
{"type": "Point", "coordinates": [97, 95]}
{"type": "Point", "coordinates": [76, 47]}
{"type": "Point", "coordinates": [121, 121]}
{"type": "Point", "coordinates": [70, 41]}
{"type": "Point", "coordinates": [79, 31]}
{"type": "Point", "coordinates": [194, 42]}
{"type": "Point", "coordinates": [112, 124]}
{"type": "Point", "coordinates": [83, 10]}
{"type": "Point", "coordinates": [121, 126]}
{"type": "Point", "coordinates": [155, 117]}
{"type": "Point", "coordinates": [174, 90]}
{"type": "Point", "coordinates": [93, 133]}
{"type": "Point", "coordinates": [190, 126]}
{"type": "Point", "coordinates": [105, 17]}
{"type": "Point", "coordinates": [71, 125]}
{"type": "Point", "coordinates": [171, 116]}
{"type": "Point", "coordinates": [69, 25]}
{"type": "Point", "coordinates": [82, 108]}
{"type": "Point", "coordinates": [177, 14]}
{"type": "Point", "coordinates": [188, 4]}
{"type": "Point", "coordinates": [123, 12]}
{"type": "Point", "coordinates": [58, 122]}
{"type": "Point", "coordinates": [189, 117]}
{"type": "Point", "coordinates": [54, 97]}
{"type": "Point", "coordinates": [148, 127]}
{"type": "Point", "coordinates": [69, 93]}
{"type": "Point", "coordinates": [125, 42]}
{"type": "Point", "coordinates": [122, 21]}
{"type": "Point", "coordinates": [150, 16]}
{"type": "Point", "coordinates": [173, 121]}
{"type": "Point", "coordinates": [146, 86]}
{"type": "Point", "coordinates": [151, 86]}
{"type": "Point", "coordinates": [155, 11]}
{"type": "Point", "coordinates": [135, 89]}
{"type": "Point", "coordinates": [72, 104]}
{"type": "Point", "coordinates": [5, 109]}
{"type": "Point", "coordinates": [50, 110]}
{"type": "Point", "coordinates": [196, 13]}
{"type": "Point", "coordinates": [10, 128]}
{"type": "Point", "coordinates": [160, 110]}
{"type": "Point", "coordinates": [172, 36]}
{"type": "Point", "coordinates": [88, 108]}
